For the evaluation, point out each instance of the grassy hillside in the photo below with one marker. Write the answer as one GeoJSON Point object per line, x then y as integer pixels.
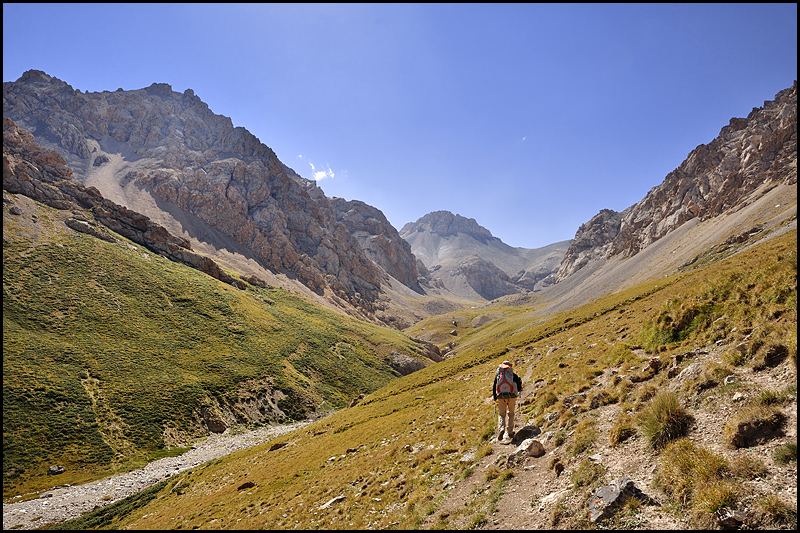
{"type": "Point", "coordinates": [114, 356]}
{"type": "Point", "coordinates": [391, 461]}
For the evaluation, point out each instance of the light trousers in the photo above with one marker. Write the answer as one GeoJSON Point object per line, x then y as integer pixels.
{"type": "Point", "coordinates": [506, 410]}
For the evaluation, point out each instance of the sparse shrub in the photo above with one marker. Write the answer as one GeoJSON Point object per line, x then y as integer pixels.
{"type": "Point", "coordinates": [603, 397]}
{"type": "Point", "coordinates": [663, 420]}
{"type": "Point", "coordinates": [712, 375]}
{"type": "Point", "coordinates": [548, 399]}
{"type": "Point", "coordinates": [559, 438]}
{"type": "Point", "coordinates": [770, 355]}
{"type": "Point", "coordinates": [736, 356]}
{"type": "Point", "coordinates": [465, 473]}
{"type": "Point", "coordinates": [560, 512]}
{"type": "Point", "coordinates": [493, 473]}
{"type": "Point", "coordinates": [786, 453]}
{"type": "Point", "coordinates": [770, 397]}
{"type": "Point", "coordinates": [645, 393]}
{"type": "Point", "coordinates": [479, 520]}
{"type": "Point", "coordinates": [556, 465]}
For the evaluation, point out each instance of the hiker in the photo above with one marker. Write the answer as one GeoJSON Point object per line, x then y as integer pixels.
{"type": "Point", "coordinates": [505, 389]}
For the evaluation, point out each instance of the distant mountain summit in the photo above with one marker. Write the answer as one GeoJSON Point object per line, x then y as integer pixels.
{"type": "Point", "coordinates": [462, 257]}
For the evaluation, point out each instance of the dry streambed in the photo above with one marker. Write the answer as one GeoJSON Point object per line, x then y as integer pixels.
{"type": "Point", "coordinates": [65, 502]}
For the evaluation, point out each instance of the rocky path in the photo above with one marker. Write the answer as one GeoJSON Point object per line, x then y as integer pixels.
{"type": "Point", "coordinates": [536, 495]}
{"type": "Point", "coordinates": [65, 502]}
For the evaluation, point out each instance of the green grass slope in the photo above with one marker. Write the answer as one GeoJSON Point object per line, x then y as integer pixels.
{"type": "Point", "coordinates": [390, 461]}
{"type": "Point", "coordinates": [114, 356]}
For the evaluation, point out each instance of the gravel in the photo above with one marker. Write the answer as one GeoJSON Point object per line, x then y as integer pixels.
{"type": "Point", "coordinates": [66, 502]}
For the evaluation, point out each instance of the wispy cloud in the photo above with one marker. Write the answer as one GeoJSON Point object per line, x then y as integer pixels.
{"type": "Point", "coordinates": [319, 175]}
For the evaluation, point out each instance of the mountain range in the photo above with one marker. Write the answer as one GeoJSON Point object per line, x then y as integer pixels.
{"type": "Point", "coordinates": [103, 174]}
{"type": "Point", "coordinates": [167, 156]}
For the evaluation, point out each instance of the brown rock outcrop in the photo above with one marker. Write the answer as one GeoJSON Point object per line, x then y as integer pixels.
{"type": "Point", "coordinates": [485, 278]}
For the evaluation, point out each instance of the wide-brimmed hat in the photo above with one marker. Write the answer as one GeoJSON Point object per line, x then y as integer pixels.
{"type": "Point", "coordinates": [507, 363]}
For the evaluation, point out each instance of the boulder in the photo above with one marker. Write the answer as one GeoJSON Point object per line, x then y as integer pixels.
{"type": "Point", "coordinates": [525, 433]}
{"type": "Point", "coordinates": [529, 447]}
{"type": "Point", "coordinates": [54, 470]}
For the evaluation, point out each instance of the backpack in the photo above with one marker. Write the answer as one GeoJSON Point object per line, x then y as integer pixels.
{"type": "Point", "coordinates": [506, 386]}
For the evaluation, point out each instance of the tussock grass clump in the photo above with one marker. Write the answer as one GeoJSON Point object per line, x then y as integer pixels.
{"type": "Point", "coordinates": [774, 512]}
{"type": "Point", "coordinates": [588, 474]}
{"type": "Point", "coordinates": [584, 436]}
{"type": "Point", "coordinates": [786, 453]}
{"type": "Point", "coordinates": [693, 478]}
{"type": "Point", "coordinates": [711, 499]}
{"type": "Point", "coordinates": [494, 472]}
{"type": "Point", "coordinates": [663, 420]}
{"type": "Point", "coordinates": [622, 430]}
{"type": "Point", "coordinates": [747, 467]}
{"type": "Point", "coordinates": [773, 397]}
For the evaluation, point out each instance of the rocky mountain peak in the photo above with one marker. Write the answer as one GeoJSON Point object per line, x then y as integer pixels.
{"type": "Point", "coordinates": [749, 155]}
{"type": "Point", "coordinates": [445, 223]}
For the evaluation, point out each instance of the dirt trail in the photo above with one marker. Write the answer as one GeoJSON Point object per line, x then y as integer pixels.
{"type": "Point", "coordinates": [535, 494]}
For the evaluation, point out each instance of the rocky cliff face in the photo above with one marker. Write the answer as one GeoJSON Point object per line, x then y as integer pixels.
{"type": "Point", "coordinates": [714, 179]}
{"type": "Point", "coordinates": [379, 239]}
{"type": "Point", "coordinates": [175, 148]}
{"type": "Point", "coordinates": [43, 175]}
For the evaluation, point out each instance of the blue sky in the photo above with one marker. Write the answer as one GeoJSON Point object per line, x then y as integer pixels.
{"type": "Point", "coordinates": [529, 118]}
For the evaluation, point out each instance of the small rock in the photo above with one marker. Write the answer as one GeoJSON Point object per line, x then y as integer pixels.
{"type": "Point", "coordinates": [332, 502]}
{"type": "Point", "coordinates": [731, 519]}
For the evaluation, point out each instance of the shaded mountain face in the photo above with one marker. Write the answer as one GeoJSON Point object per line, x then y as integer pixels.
{"type": "Point", "coordinates": [717, 178]}
{"type": "Point", "coordinates": [165, 154]}
{"type": "Point", "coordinates": [464, 258]}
